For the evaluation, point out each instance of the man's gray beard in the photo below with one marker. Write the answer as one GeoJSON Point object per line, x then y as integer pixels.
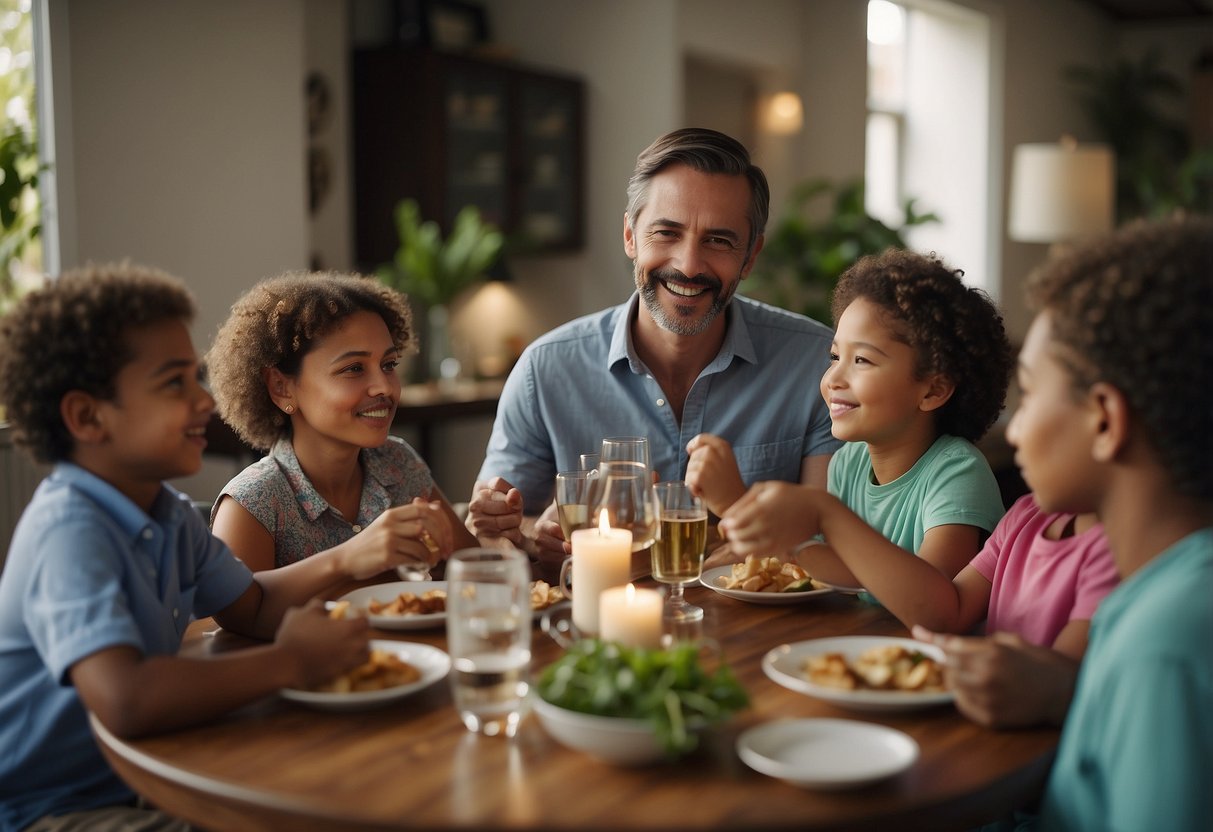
{"type": "Point", "coordinates": [678, 325]}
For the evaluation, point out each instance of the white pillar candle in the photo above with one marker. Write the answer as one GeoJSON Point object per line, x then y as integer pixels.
{"type": "Point", "coordinates": [631, 616]}
{"type": "Point", "coordinates": [602, 558]}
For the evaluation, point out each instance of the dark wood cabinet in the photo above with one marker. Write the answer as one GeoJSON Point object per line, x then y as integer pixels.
{"type": "Point", "coordinates": [454, 130]}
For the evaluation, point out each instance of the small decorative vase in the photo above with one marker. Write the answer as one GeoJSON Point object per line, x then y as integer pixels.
{"type": "Point", "coordinates": [441, 365]}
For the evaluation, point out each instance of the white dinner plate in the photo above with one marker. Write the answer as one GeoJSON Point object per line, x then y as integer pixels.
{"type": "Point", "coordinates": [826, 753]}
{"type": "Point", "coordinates": [785, 666]}
{"type": "Point", "coordinates": [846, 590]}
{"type": "Point", "coordinates": [433, 663]}
{"type": "Point", "coordinates": [387, 593]}
{"type": "Point", "coordinates": [559, 605]}
{"type": "Point", "coordinates": [709, 577]}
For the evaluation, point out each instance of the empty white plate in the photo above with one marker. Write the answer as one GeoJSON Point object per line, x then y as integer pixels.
{"type": "Point", "coordinates": [828, 754]}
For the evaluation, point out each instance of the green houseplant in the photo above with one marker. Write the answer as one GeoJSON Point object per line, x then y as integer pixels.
{"type": "Point", "coordinates": [804, 257]}
{"type": "Point", "coordinates": [1158, 167]}
{"type": "Point", "coordinates": [434, 270]}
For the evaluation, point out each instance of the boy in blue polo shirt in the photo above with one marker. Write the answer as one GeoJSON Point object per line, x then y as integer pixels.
{"type": "Point", "coordinates": [108, 564]}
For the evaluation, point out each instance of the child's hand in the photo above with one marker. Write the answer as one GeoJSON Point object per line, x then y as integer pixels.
{"type": "Point", "coordinates": [1003, 681]}
{"type": "Point", "coordinates": [770, 518]}
{"type": "Point", "coordinates": [322, 648]}
{"type": "Point", "coordinates": [712, 472]}
{"type": "Point", "coordinates": [419, 531]}
{"type": "Point", "coordinates": [495, 511]}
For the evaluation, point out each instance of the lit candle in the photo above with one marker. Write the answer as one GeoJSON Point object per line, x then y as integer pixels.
{"type": "Point", "coordinates": [631, 616]}
{"type": "Point", "coordinates": [602, 558]}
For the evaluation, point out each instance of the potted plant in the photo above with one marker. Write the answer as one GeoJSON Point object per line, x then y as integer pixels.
{"type": "Point", "coordinates": [435, 270]}
{"type": "Point", "coordinates": [1159, 166]}
{"type": "Point", "coordinates": [803, 258]}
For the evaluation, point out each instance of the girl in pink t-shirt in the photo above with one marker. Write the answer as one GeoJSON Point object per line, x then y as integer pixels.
{"type": "Point", "coordinates": [1037, 582]}
{"type": "Point", "coordinates": [1047, 573]}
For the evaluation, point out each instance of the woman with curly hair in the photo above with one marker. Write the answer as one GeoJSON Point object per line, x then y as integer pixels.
{"type": "Point", "coordinates": [305, 367]}
{"type": "Point", "coordinates": [919, 369]}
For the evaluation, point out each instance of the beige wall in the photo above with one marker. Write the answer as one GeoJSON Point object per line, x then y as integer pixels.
{"type": "Point", "coordinates": [186, 140]}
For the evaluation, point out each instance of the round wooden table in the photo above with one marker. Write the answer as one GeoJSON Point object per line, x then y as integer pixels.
{"type": "Point", "coordinates": [278, 765]}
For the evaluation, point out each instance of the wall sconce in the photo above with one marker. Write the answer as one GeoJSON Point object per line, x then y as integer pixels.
{"type": "Point", "coordinates": [782, 114]}
{"type": "Point", "coordinates": [1060, 191]}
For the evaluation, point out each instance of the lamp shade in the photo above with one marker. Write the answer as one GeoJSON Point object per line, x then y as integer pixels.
{"type": "Point", "coordinates": [1060, 191]}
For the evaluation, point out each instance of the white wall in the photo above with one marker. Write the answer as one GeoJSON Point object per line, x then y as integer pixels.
{"type": "Point", "coordinates": [187, 124]}
{"type": "Point", "coordinates": [184, 146]}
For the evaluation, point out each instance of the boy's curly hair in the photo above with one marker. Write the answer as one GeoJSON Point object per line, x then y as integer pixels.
{"type": "Point", "coordinates": [955, 330]}
{"type": "Point", "coordinates": [275, 324]}
{"type": "Point", "coordinates": [1135, 309]}
{"type": "Point", "coordinates": [71, 334]}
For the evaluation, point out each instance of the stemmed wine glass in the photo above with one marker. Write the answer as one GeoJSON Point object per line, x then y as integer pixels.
{"type": "Point", "coordinates": [678, 550]}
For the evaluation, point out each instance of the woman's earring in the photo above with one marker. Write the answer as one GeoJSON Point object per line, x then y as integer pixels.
{"type": "Point", "coordinates": [290, 408]}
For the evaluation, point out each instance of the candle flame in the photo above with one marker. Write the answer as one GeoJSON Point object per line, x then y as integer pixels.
{"type": "Point", "coordinates": [604, 523]}
{"type": "Point", "coordinates": [630, 593]}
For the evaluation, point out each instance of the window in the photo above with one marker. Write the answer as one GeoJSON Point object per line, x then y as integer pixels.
{"type": "Point", "coordinates": [20, 226]}
{"type": "Point", "coordinates": [929, 130]}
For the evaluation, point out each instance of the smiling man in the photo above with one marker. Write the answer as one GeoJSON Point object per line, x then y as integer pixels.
{"type": "Point", "coordinates": [682, 357]}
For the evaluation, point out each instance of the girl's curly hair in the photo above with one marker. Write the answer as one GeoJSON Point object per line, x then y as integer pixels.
{"type": "Point", "coordinates": [1135, 309]}
{"type": "Point", "coordinates": [275, 324]}
{"type": "Point", "coordinates": [955, 330]}
{"type": "Point", "coordinates": [72, 334]}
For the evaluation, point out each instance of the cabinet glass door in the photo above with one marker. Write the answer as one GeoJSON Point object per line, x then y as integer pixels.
{"type": "Point", "coordinates": [477, 131]}
{"type": "Point", "coordinates": [549, 191]}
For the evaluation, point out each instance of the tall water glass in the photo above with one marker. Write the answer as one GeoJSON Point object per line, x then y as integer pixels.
{"type": "Point", "coordinates": [488, 627]}
{"type": "Point", "coordinates": [678, 550]}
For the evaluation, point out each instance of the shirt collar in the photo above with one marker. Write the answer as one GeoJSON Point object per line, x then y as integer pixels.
{"type": "Point", "coordinates": [309, 499]}
{"type": "Point", "coordinates": [375, 467]}
{"type": "Point", "coordinates": [129, 517]}
{"type": "Point", "coordinates": [737, 342]}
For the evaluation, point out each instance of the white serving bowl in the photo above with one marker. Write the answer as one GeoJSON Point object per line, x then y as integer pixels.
{"type": "Point", "coordinates": [627, 742]}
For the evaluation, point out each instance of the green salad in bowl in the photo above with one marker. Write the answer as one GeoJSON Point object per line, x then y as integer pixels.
{"type": "Point", "coordinates": [670, 693]}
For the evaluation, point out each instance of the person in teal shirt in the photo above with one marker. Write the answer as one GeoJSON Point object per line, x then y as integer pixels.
{"type": "Point", "coordinates": [1117, 371]}
{"type": "Point", "coordinates": [1116, 375]}
{"type": "Point", "coordinates": [918, 372]}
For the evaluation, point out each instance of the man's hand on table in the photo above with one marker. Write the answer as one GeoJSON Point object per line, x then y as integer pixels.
{"type": "Point", "coordinates": [495, 512]}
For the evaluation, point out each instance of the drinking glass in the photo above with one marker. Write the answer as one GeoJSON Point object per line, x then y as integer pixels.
{"type": "Point", "coordinates": [488, 627]}
{"type": "Point", "coordinates": [678, 550]}
{"type": "Point", "coordinates": [589, 462]}
{"type": "Point", "coordinates": [572, 500]}
{"type": "Point", "coordinates": [624, 490]}
{"type": "Point", "coordinates": [634, 449]}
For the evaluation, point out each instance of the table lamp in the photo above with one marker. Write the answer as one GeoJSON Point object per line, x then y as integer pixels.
{"type": "Point", "coordinates": [1060, 191]}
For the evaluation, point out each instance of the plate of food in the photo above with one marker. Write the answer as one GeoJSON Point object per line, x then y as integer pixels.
{"type": "Point", "coordinates": [400, 605]}
{"type": "Point", "coordinates": [763, 580]}
{"type": "Point", "coordinates": [545, 596]}
{"type": "Point", "coordinates": [394, 670]}
{"type": "Point", "coordinates": [862, 673]}
{"type": "Point", "coordinates": [826, 754]}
